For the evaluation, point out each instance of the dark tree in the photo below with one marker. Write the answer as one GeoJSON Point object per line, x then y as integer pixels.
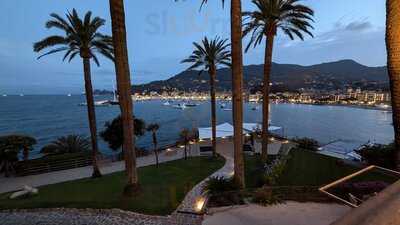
{"type": "Point", "coordinates": [113, 133]}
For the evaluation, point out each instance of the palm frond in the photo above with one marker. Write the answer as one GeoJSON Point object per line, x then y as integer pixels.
{"type": "Point", "coordinates": [79, 35]}
{"type": "Point", "coordinates": [292, 18]}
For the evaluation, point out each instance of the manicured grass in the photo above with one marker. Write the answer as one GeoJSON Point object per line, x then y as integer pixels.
{"type": "Point", "coordinates": [307, 168]}
{"type": "Point", "coordinates": [162, 189]}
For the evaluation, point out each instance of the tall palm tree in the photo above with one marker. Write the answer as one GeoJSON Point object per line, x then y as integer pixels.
{"type": "Point", "coordinates": [269, 16]}
{"type": "Point", "coordinates": [124, 89]}
{"type": "Point", "coordinates": [153, 128]}
{"type": "Point", "coordinates": [81, 37]}
{"type": "Point", "coordinates": [393, 50]}
{"type": "Point", "coordinates": [237, 88]}
{"type": "Point", "coordinates": [207, 56]}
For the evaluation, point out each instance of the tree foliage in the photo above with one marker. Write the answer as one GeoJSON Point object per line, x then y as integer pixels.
{"type": "Point", "coordinates": [379, 155]}
{"type": "Point", "coordinates": [113, 132]}
{"type": "Point", "coordinates": [292, 18]}
{"type": "Point", "coordinates": [81, 37]}
{"type": "Point", "coordinates": [209, 53]}
{"type": "Point", "coordinates": [67, 144]}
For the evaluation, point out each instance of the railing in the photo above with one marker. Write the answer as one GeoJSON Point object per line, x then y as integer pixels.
{"type": "Point", "coordinates": [37, 167]}
{"type": "Point", "coordinates": [382, 209]}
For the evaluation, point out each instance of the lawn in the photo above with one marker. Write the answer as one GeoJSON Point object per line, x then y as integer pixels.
{"type": "Point", "coordinates": [162, 189]}
{"type": "Point", "coordinates": [306, 168]}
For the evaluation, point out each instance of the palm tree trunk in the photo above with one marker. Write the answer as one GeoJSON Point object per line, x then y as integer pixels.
{"type": "Point", "coordinates": [91, 116]}
{"type": "Point", "coordinates": [212, 73]}
{"type": "Point", "coordinates": [237, 92]}
{"type": "Point", "coordinates": [186, 155]}
{"type": "Point", "coordinates": [124, 89]}
{"type": "Point", "coordinates": [393, 61]}
{"type": "Point", "coordinates": [155, 147]}
{"type": "Point", "coordinates": [267, 72]}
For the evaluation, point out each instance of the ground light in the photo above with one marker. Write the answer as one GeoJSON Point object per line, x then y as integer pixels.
{"type": "Point", "coordinates": [200, 201]}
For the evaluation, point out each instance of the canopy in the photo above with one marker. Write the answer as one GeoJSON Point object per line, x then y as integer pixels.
{"type": "Point", "coordinates": [223, 130]}
{"type": "Point", "coordinates": [226, 130]}
{"type": "Point", "coordinates": [251, 127]}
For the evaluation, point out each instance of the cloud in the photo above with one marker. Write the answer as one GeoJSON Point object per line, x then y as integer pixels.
{"type": "Point", "coordinates": [358, 26]}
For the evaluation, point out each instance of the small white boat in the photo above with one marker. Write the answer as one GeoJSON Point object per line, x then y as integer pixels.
{"type": "Point", "coordinates": [167, 103]}
{"type": "Point", "coordinates": [383, 106]}
{"type": "Point", "coordinates": [21, 95]}
{"type": "Point", "coordinates": [180, 106]}
{"type": "Point", "coordinates": [69, 95]}
{"type": "Point", "coordinates": [226, 109]}
{"type": "Point", "coordinates": [4, 95]}
{"type": "Point", "coordinates": [97, 103]}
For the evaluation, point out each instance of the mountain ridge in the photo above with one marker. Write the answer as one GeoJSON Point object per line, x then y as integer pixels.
{"type": "Point", "coordinates": [324, 76]}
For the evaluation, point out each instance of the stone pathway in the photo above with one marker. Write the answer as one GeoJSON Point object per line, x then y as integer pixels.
{"type": "Point", "coordinates": [189, 205]}
{"type": "Point", "coordinates": [81, 217]}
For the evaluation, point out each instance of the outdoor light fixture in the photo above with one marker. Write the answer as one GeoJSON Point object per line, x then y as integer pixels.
{"type": "Point", "coordinates": [200, 204]}
{"type": "Point", "coordinates": [272, 139]}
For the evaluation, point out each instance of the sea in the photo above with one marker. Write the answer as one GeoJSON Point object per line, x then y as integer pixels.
{"type": "Point", "coordinates": [47, 117]}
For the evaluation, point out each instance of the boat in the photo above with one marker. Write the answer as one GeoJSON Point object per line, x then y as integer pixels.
{"type": "Point", "coordinates": [22, 95]}
{"type": "Point", "coordinates": [180, 106]}
{"type": "Point", "coordinates": [69, 95]}
{"type": "Point", "coordinates": [191, 104]}
{"type": "Point", "coordinates": [115, 100]}
{"type": "Point", "coordinates": [226, 109]}
{"type": "Point", "coordinates": [4, 95]}
{"type": "Point", "coordinates": [167, 103]}
{"type": "Point", "coordinates": [383, 106]}
{"type": "Point", "coordinates": [97, 103]}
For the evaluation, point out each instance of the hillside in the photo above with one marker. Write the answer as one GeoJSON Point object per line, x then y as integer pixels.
{"type": "Point", "coordinates": [325, 76]}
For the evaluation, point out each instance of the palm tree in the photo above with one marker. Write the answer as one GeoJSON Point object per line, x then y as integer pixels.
{"type": "Point", "coordinates": [81, 37]}
{"type": "Point", "coordinates": [67, 144]}
{"type": "Point", "coordinates": [207, 56]}
{"type": "Point", "coordinates": [393, 49]}
{"type": "Point", "coordinates": [237, 88]}
{"type": "Point", "coordinates": [124, 89]}
{"type": "Point", "coordinates": [153, 128]}
{"type": "Point", "coordinates": [269, 16]}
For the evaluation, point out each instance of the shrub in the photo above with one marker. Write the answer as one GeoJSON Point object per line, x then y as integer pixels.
{"type": "Point", "coordinates": [275, 170]}
{"type": "Point", "coordinates": [265, 196]}
{"type": "Point", "coordinates": [307, 143]}
{"type": "Point", "coordinates": [379, 155]}
{"type": "Point", "coordinates": [218, 185]}
{"type": "Point", "coordinates": [67, 144]}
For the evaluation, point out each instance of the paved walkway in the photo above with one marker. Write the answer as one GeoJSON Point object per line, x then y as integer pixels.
{"type": "Point", "coordinates": [189, 204]}
{"type": "Point", "coordinates": [290, 213]}
{"type": "Point", "coordinates": [16, 183]}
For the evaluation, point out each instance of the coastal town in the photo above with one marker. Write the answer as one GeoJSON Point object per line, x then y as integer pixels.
{"type": "Point", "coordinates": [350, 97]}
